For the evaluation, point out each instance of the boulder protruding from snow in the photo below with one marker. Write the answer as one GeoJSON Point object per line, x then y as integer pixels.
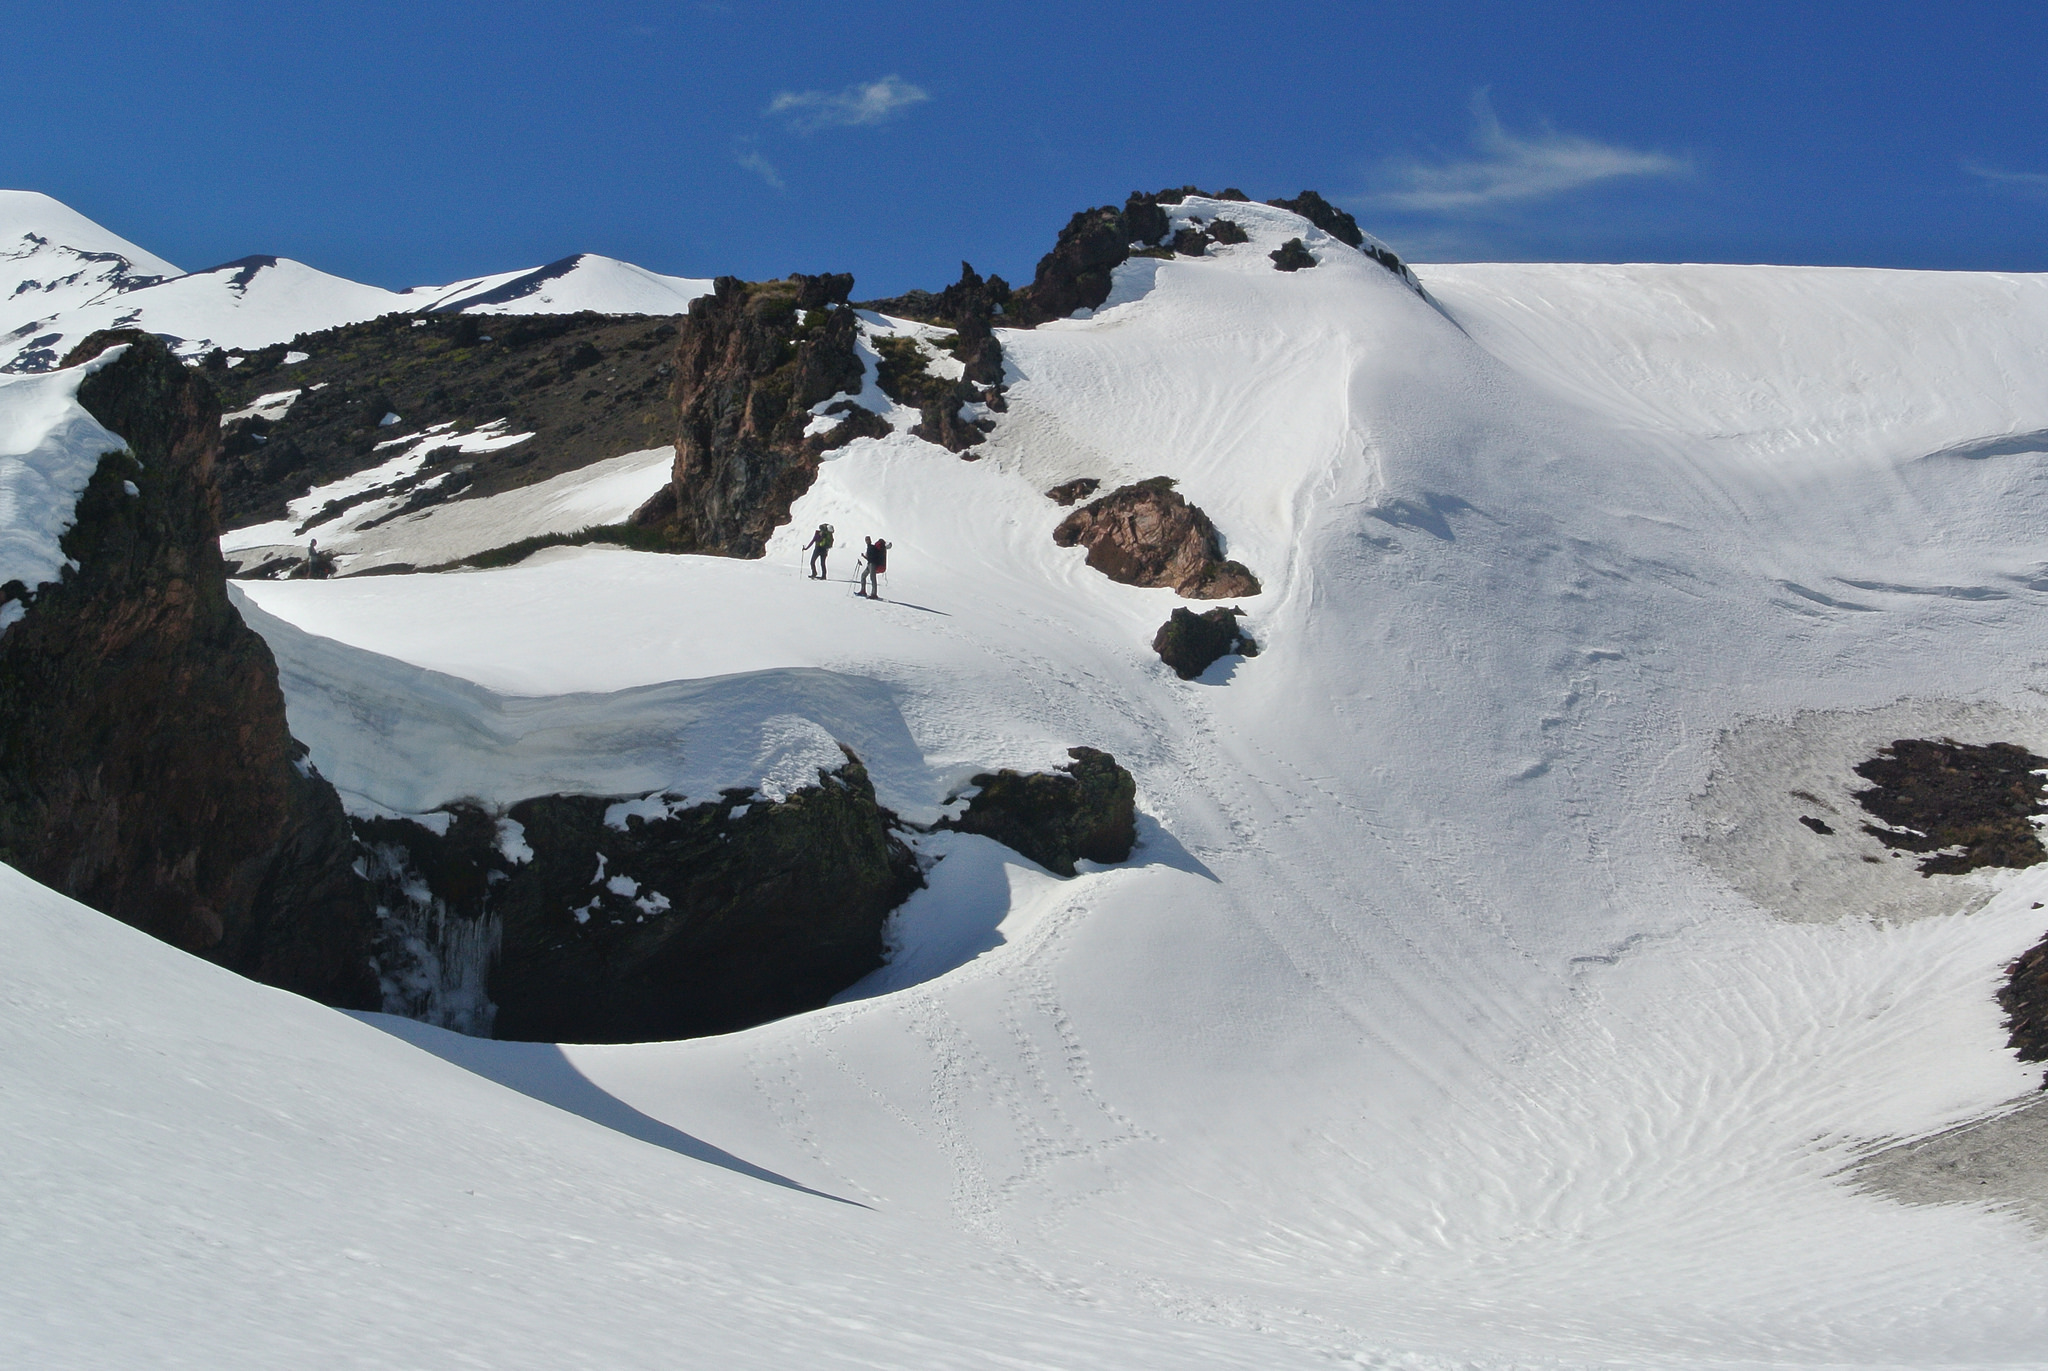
{"type": "Point", "coordinates": [1191, 643]}
{"type": "Point", "coordinates": [1084, 811]}
{"type": "Point", "coordinates": [1147, 534]}
{"type": "Point", "coordinates": [1292, 255]}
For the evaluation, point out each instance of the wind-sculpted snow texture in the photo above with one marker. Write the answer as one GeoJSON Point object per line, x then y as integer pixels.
{"type": "Point", "coordinates": [1439, 1018]}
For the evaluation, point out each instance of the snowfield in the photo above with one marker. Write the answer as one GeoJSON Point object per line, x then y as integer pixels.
{"type": "Point", "coordinates": [1474, 998]}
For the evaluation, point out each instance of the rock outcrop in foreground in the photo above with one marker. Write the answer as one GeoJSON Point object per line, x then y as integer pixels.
{"type": "Point", "coordinates": [1083, 811]}
{"type": "Point", "coordinates": [629, 921]}
{"type": "Point", "coordinates": [145, 764]}
{"type": "Point", "coordinates": [1147, 534]}
{"type": "Point", "coordinates": [752, 359]}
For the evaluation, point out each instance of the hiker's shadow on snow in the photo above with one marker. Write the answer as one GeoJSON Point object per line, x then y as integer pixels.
{"type": "Point", "coordinates": [542, 1071]}
{"type": "Point", "coordinates": [907, 605]}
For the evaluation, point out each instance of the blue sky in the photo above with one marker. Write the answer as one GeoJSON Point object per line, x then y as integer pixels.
{"type": "Point", "coordinates": [426, 141]}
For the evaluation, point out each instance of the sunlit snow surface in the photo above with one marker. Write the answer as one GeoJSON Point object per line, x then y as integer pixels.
{"type": "Point", "coordinates": [1416, 1033]}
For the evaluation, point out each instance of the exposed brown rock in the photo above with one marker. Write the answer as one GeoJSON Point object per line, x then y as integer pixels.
{"type": "Point", "coordinates": [146, 768]}
{"type": "Point", "coordinates": [751, 360]}
{"type": "Point", "coordinates": [1147, 534]}
{"type": "Point", "coordinates": [1068, 492]}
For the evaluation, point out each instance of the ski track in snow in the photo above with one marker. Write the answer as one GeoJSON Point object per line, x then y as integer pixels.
{"type": "Point", "coordinates": [1422, 1030]}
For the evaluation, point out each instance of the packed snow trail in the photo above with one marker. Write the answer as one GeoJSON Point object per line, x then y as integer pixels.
{"type": "Point", "coordinates": [1416, 1033]}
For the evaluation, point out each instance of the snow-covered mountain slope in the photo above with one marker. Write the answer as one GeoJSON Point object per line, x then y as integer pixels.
{"type": "Point", "coordinates": [65, 276]}
{"type": "Point", "coordinates": [586, 281]}
{"type": "Point", "coordinates": [1429, 1025]}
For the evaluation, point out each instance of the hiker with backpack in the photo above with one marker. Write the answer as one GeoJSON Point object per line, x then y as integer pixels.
{"type": "Point", "coordinates": [874, 561]}
{"type": "Point", "coordinates": [822, 541]}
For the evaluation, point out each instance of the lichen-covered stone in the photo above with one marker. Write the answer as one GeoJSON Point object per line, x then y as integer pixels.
{"type": "Point", "coordinates": [1086, 810]}
{"type": "Point", "coordinates": [146, 768]}
{"type": "Point", "coordinates": [1190, 643]}
{"type": "Point", "coordinates": [1147, 534]}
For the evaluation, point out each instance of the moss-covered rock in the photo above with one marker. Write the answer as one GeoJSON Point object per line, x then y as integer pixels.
{"type": "Point", "coordinates": [1086, 810]}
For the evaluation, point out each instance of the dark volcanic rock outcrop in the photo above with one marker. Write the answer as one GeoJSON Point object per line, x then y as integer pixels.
{"type": "Point", "coordinates": [145, 765]}
{"type": "Point", "coordinates": [1084, 811]}
{"type": "Point", "coordinates": [1324, 216]}
{"type": "Point", "coordinates": [1968, 806]}
{"type": "Point", "coordinates": [1147, 534]}
{"type": "Point", "coordinates": [751, 361]}
{"type": "Point", "coordinates": [1190, 643]}
{"type": "Point", "coordinates": [695, 920]}
{"type": "Point", "coordinates": [2025, 1000]}
{"type": "Point", "coordinates": [1292, 255]}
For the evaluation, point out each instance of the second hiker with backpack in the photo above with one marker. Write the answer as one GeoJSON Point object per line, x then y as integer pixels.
{"type": "Point", "coordinates": [874, 561]}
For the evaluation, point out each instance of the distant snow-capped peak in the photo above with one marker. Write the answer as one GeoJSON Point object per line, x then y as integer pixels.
{"type": "Point", "coordinates": [62, 277]}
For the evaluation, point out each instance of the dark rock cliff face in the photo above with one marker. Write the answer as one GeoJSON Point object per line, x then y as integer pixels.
{"type": "Point", "coordinates": [751, 360]}
{"type": "Point", "coordinates": [692, 920]}
{"type": "Point", "coordinates": [1147, 534]}
{"type": "Point", "coordinates": [1086, 810]}
{"type": "Point", "coordinates": [145, 764]}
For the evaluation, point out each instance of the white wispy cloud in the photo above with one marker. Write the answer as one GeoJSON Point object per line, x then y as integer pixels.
{"type": "Point", "coordinates": [869, 102]}
{"type": "Point", "coordinates": [760, 166]}
{"type": "Point", "coordinates": [1514, 167]}
{"type": "Point", "coordinates": [2032, 184]}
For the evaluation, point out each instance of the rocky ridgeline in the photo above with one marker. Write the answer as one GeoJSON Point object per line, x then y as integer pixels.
{"type": "Point", "coordinates": [1147, 534]}
{"type": "Point", "coordinates": [145, 765]}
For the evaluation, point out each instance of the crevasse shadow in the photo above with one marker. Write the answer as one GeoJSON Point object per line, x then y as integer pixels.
{"type": "Point", "coordinates": [541, 1071]}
